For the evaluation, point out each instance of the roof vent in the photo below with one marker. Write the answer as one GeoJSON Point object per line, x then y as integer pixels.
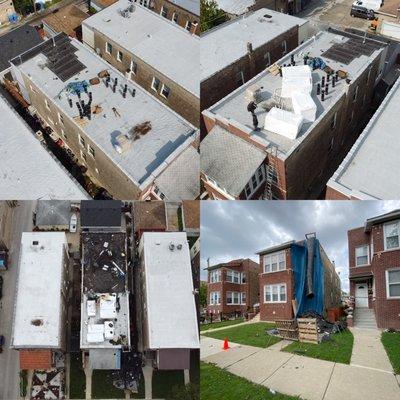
{"type": "Point", "coordinates": [179, 247]}
{"type": "Point", "coordinates": [171, 246]}
{"type": "Point", "coordinates": [126, 12]}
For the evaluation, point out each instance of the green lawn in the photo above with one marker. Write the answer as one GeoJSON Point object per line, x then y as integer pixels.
{"type": "Point", "coordinates": [391, 342]}
{"type": "Point", "coordinates": [338, 349]}
{"type": "Point", "coordinates": [77, 383]}
{"type": "Point", "coordinates": [218, 384]}
{"type": "Point", "coordinates": [250, 334]}
{"type": "Point", "coordinates": [102, 386]}
{"type": "Point", "coordinates": [215, 325]}
{"type": "Point", "coordinates": [164, 382]}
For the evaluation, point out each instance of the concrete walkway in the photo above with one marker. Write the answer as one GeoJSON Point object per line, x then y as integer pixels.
{"type": "Point", "coordinates": [368, 350]}
{"type": "Point", "coordinates": [228, 327]}
{"type": "Point", "coordinates": [309, 378]}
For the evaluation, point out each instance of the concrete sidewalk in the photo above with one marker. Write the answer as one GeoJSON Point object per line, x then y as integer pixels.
{"type": "Point", "coordinates": [309, 378]}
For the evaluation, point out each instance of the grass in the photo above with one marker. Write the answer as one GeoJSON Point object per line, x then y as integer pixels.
{"type": "Point", "coordinates": [391, 343]}
{"type": "Point", "coordinates": [221, 324]}
{"type": "Point", "coordinates": [218, 384]}
{"type": "Point", "coordinates": [102, 386]}
{"type": "Point", "coordinates": [77, 385]}
{"type": "Point", "coordinates": [338, 349]}
{"type": "Point", "coordinates": [249, 334]}
{"type": "Point", "coordinates": [23, 382]}
{"type": "Point", "coordinates": [165, 382]}
{"type": "Point", "coordinates": [141, 390]}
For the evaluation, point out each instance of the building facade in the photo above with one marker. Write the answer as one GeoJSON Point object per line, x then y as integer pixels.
{"type": "Point", "coordinates": [232, 287]}
{"type": "Point", "coordinates": [374, 268]}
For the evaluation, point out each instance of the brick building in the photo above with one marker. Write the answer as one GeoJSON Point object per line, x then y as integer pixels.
{"type": "Point", "coordinates": [305, 129]}
{"type": "Point", "coordinates": [370, 170]}
{"type": "Point", "coordinates": [280, 277]}
{"type": "Point", "coordinates": [234, 52]}
{"type": "Point", "coordinates": [232, 287]}
{"type": "Point", "coordinates": [374, 268]}
{"type": "Point", "coordinates": [156, 53]}
{"type": "Point", "coordinates": [120, 135]}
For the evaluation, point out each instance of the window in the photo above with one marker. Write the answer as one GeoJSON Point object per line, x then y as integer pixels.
{"type": "Point", "coordinates": [333, 121]}
{"type": "Point", "coordinates": [247, 190]}
{"type": "Point", "coordinates": [243, 298]}
{"type": "Point", "coordinates": [232, 297]}
{"type": "Point", "coordinates": [355, 94]}
{"type": "Point", "coordinates": [155, 84]}
{"type": "Point", "coordinates": [232, 276]}
{"type": "Point", "coordinates": [63, 133]}
{"type": "Point", "coordinates": [284, 47]}
{"type": "Point", "coordinates": [133, 67]}
{"type": "Point", "coordinates": [119, 56]}
{"type": "Point", "coordinates": [83, 156]}
{"type": "Point", "coordinates": [82, 141]}
{"type": "Point", "coordinates": [175, 17]}
{"type": "Point", "coordinates": [274, 262]}
{"type": "Point", "coordinates": [243, 277]}
{"type": "Point", "coordinates": [158, 192]}
{"type": "Point", "coordinates": [61, 118]}
{"type": "Point", "coordinates": [391, 232]}
{"type": "Point", "coordinates": [188, 26]}
{"type": "Point", "coordinates": [267, 59]}
{"type": "Point", "coordinates": [215, 298]}
{"type": "Point", "coordinates": [215, 276]}
{"type": "Point", "coordinates": [91, 150]}
{"type": "Point", "coordinates": [164, 11]}
{"type": "Point", "coordinates": [239, 78]}
{"type": "Point", "coordinates": [362, 255]}
{"type": "Point", "coordinates": [165, 91]}
{"type": "Point", "coordinates": [275, 293]}
{"type": "Point", "coordinates": [47, 104]}
{"type": "Point", "coordinates": [393, 284]}
{"type": "Point", "coordinates": [108, 48]}
{"type": "Point", "coordinates": [256, 180]}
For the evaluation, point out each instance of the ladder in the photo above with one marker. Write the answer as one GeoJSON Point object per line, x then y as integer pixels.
{"type": "Point", "coordinates": [271, 171]}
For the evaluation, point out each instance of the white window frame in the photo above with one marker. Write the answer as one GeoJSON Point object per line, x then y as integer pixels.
{"type": "Point", "coordinates": [215, 298]}
{"type": "Point", "coordinates": [162, 11]}
{"type": "Point", "coordinates": [83, 156]}
{"type": "Point", "coordinates": [120, 56]}
{"type": "Point", "coordinates": [134, 70]}
{"type": "Point", "coordinates": [162, 90]}
{"type": "Point", "coordinates": [175, 14]}
{"type": "Point", "coordinates": [188, 25]}
{"type": "Point", "coordinates": [269, 258]}
{"type": "Point", "coordinates": [357, 256]}
{"type": "Point", "coordinates": [284, 46]}
{"type": "Point", "coordinates": [82, 141]}
{"type": "Point", "coordinates": [259, 181]}
{"type": "Point", "coordinates": [106, 49]}
{"type": "Point", "coordinates": [243, 294]}
{"type": "Point", "coordinates": [215, 276]}
{"type": "Point", "coordinates": [152, 83]}
{"type": "Point", "coordinates": [91, 151]}
{"type": "Point", "coordinates": [234, 274]}
{"type": "Point", "coordinates": [271, 287]}
{"type": "Point", "coordinates": [233, 303]}
{"type": "Point", "coordinates": [392, 283]}
{"type": "Point", "coordinates": [267, 58]}
{"type": "Point", "coordinates": [46, 102]}
{"type": "Point", "coordinates": [61, 118]}
{"type": "Point", "coordinates": [385, 234]}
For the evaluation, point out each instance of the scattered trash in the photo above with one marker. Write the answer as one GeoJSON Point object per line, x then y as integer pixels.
{"type": "Point", "coordinates": [94, 81]}
{"type": "Point", "coordinates": [272, 391]}
{"type": "Point", "coordinates": [103, 74]}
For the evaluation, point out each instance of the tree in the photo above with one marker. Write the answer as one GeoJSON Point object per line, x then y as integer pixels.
{"type": "Point", "coordinates": [203, 294]}
{"type": "Point", "coordinates": [210, 15]}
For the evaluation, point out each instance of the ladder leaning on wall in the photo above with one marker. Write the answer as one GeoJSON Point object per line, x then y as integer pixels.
{"type": "Point", "coordinates": [271, 171]}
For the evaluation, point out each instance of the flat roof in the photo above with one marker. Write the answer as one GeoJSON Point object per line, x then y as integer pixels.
{"type": "Point", "coordinates": [101, 213]}
{"type": "Point", "coordinates": [66, 19]}
{"type": "Point", "coordinates": [235, 7]}
{"type": "Point", "coordinates": [53, 213]}
{"type": "Point", "coordinates": [169, 271]}
{"type": "Point", "coordinates": [371, 168]}
{"type": "Point", "coordinates": [38, 309]}
{"type": "Point", "coordinates": [229, 160]}
{"type": "Point", "coordinates": [145, 157]}
{"type": "Point", "coordinates": [162, 44]}
{"type": "Point", "coordinates": [226, 43]}
{"type": "Point", "coordinates": [27, 170]}
{"type": "Point", "coordinates": [233, 107]}
{"type": "Point", "coordinates": [192, 6]}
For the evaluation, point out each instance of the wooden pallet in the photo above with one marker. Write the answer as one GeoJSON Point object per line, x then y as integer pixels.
{"type": "Point", "coordinates": [308, 332]}
{"type": "Point", "coordinates": [287, 329]}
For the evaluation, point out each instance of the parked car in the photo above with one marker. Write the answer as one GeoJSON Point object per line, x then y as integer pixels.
{"type": "Point", "coordinates": [1, 287]}
{"type": "Point", "coordinates": [362, 12]}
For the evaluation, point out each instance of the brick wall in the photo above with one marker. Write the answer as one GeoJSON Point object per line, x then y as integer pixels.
{"type": "Point", "coordinates": [224, 82]}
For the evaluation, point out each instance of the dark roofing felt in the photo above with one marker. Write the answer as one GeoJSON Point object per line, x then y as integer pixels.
{"type": "Point", "coordinates": [101, 213]}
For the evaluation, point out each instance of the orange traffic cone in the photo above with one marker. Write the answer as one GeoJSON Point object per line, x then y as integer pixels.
{"type": "Point", "coordinates": [226, 344]}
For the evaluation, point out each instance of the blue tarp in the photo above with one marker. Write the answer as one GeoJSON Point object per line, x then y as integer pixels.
{"type": "Point", "coordinates": [299, 261]}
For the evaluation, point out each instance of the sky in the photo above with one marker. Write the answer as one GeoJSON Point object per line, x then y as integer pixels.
{"type": "Point", "coordinates": [238, 229]}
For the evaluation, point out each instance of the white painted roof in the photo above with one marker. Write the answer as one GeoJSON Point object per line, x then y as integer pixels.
{"type": "Point", "coordinates": [40, 280]}
{"type": "Point", "coordinates": [164, 45]}
{"type": "Point", "coordinates": [171, 308]}
{"type": "Point", "coordinates": [371, 169]}
{"type": "Point", "coordinates": [235, 7]}
{"type": "Point", "coordinates": [227, 43]}
{"type": "Point", "coordinates": [25, 164]}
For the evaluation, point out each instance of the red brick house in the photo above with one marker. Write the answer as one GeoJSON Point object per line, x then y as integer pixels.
{"type": "Point", "coordinates": [374, 268]}
{"type": "Point", "coordinates": [280, 275]}
{"type": "Point", "coordinates": [232, 287]}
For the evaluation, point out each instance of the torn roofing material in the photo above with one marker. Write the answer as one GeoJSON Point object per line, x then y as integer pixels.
{"type": "Point", "coordinates": [160, 43]}
{"type": "Point", "coordinates": [371, 168]}
{"type": "Point", "coordinates": [229, 160]}
{"type": "Point", "coordinates": [27, 170]}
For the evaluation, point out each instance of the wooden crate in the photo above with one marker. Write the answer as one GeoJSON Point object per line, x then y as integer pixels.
{"type": "Point", "coordinates": [308, 332]}
{"type": "Point", "coordinates": [287, 329]}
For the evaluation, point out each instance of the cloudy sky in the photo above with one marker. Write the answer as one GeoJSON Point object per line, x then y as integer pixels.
{"type": "Point", "coordinates": [238, 229]}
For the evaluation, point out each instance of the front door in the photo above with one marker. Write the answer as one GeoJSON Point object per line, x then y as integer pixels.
{"type": "Point", "coordinates": [361, 295]}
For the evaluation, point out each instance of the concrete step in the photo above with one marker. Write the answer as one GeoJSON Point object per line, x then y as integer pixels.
{"type": "Point", "coordinates": [364, 318]}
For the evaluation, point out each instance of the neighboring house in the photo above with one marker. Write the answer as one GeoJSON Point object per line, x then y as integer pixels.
{"type": "Point", "coordinates": [53, 215]}
{"type": "Point", "coordinates": [291, 284]}
{"type": "Point", "coordinates": [67, 19]}
{"type": "Point", "coordinates": [232, 287]}
{"type": "Point", "coordinates": [40, 317]}
{"type": "Point", "coordinates": [105, 320]}
{"type": "Point", "coordinates": [236, 51]}
{"type": "Point", "coordinates": [6, 212]}
{"type": "Point", "coordinates": [191, 217]}
{"type": "Point", "coordinates": [149, 216]}
{"type": "Point", "coordinates": [374, 268]}
{"type": "Point", "coordinates": [27, 170]}
{"type": "Point", "coordinates": [304, 120]}
{"type": "Point", "coordinates": [101, 215]}
{"type": "Point", "coordinates": [99, 5]}
{"type": "Point", "coordinates": [120, 135]}
{"type": "Point", "coordinates": [185, 13]}
{"type": "Point", "coordinates": [166, 292]}
{"type": "Point", "coordinates": [156, 53]}
{"type": "Point", "coordinates": [6, 10]}
{"type": "Point", "coordinates": [370, 170]}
